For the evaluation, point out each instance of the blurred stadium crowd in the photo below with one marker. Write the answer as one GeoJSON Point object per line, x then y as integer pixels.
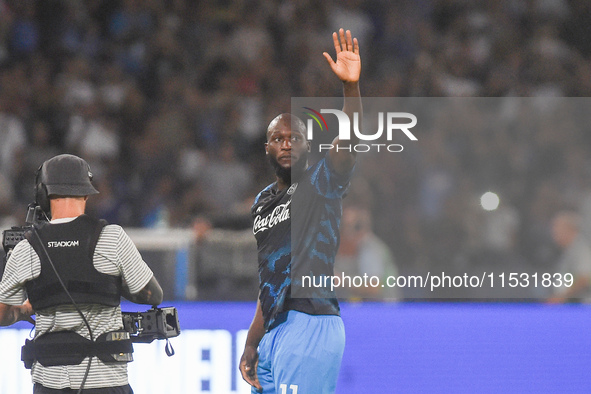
{"type": "Point", "coordinates": [168, 101]}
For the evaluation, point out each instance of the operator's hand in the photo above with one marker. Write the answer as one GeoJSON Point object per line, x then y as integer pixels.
{"type": "Point", "coordinates": [26, 311]}
{"type": "Point", "coordinates": [348, 64]}
{"type": "Point", "coordinates": [248, 366]}
{"type": "Point", "coordinates": [23, 312]}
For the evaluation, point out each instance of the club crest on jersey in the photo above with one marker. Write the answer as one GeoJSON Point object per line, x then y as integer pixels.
{"type": "Point", "coordinates": [292, 188]}
{"type": "Point", "coordinates": [279, 215]}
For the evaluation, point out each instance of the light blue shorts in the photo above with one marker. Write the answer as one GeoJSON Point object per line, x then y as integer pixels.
{"type": "Point", "coordinates": [302, 355]}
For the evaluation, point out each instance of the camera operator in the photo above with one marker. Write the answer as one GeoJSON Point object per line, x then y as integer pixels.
{"type": "Point", "coordinates": [97, 263]}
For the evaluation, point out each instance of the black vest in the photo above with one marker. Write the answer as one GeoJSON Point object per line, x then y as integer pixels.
{"type": "Point", "coordinates": [70, 246]}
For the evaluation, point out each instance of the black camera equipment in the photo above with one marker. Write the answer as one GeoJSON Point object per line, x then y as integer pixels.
{"type": "Point", "coordinates": [17, 233]}
{"type": "Point", "coordinates": [143, 327]}
{"type": "Point", "coordinates": [156, 323]}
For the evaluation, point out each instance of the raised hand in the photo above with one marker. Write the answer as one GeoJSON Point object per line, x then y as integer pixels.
{"type": "Point", "coordinates": [348, 65]}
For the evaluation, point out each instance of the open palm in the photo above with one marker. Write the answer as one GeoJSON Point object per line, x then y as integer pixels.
{"type": "Point", "coordinates": [348, 65]}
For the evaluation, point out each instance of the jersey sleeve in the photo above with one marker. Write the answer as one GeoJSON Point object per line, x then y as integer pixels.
{"type": "Point", "coordinates": [134, 269]}
{"type": "Point", "coordinates": [327, 182]}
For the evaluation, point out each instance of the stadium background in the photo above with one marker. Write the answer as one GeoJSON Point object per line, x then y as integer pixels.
{"type": "Point", "coordinates": [167, 101]}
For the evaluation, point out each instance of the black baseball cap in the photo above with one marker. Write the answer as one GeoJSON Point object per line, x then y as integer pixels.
{"type": "Point", "coordinates": [67, 175]}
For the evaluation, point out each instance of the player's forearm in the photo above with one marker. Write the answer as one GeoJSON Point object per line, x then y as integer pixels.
{"type": "Point", "coordinates": [348, 69]}
{"type": "Point", "coordinates": [351, 106]}
{"type": "Point", "coordinates": [250, 356]}
{"type": "Point", "coordinates": [351, 90]}
{"type": "Point", "coordinates": [343, 154]}
{"type": "Point", "coordinates": [257, 328]}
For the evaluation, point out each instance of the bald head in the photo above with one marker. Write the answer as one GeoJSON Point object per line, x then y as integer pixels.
{"type": "Point", "coordinates": [286, 120]}
{"type": "Point", "coordinates": [287, 148]}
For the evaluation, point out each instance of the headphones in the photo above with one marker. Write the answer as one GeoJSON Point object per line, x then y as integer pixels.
{"type": "Point", "coordinates": [41, 195]}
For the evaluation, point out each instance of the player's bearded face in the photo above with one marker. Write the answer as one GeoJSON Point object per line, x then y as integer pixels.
{"type": "Point", "coordinates": [292, 172]}
{"type": "Point", "coordinates": [290, 162]}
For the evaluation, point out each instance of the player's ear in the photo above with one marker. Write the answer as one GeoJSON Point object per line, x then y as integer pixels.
{"type": "Point", "coordinates": [267, 148]}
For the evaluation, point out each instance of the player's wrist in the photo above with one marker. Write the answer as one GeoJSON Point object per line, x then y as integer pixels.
{"type": "Point", "coordinates": [350, 84]}
{"type": "Point", "coordinates": [251, 345]}
{"type": "Point", "coordinates": [351, 89]}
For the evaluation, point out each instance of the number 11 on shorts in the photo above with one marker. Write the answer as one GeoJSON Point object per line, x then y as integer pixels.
{"type": "Point", "coordinates": [292, 387]}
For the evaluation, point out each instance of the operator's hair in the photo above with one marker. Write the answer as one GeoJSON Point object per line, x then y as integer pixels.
{"type": "Point", "coordinates": [56, 196]}
{"type": "Point", "coordinates": [296, 123]}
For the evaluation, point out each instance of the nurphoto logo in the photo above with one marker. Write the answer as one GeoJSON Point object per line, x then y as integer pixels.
{"type": "Point", "coordinates": [390, 123]}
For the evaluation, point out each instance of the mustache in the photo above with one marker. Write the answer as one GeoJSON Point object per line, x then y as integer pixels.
{"type": "Point", "coordinates": [294, 172]}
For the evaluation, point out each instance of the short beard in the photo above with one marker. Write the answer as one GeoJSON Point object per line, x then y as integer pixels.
{"type": "Point", "coordinates": [292, 173]}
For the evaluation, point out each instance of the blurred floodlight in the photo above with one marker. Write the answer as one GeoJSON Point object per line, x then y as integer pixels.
{"type": "Point", "coordinates": [489, 201]}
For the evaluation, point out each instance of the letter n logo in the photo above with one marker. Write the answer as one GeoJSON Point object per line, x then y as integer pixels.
{"type": "Point", "coordinates": [316, 116]}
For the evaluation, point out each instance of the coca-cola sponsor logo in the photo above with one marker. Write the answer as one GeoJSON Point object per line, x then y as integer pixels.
{"type": "Point", "coordinates": [279, 214]}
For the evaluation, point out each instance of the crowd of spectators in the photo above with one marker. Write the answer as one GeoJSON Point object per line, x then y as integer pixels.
{"type": "Point", "coordinates": [168, 102]}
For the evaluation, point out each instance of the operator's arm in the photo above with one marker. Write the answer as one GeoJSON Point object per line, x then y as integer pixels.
{"type": "Point", "coordinates": [250, 357]}
{"type": "Point", "coordinates": [14, 306]}
{"type": "Point", "coordinates": [139, 283]}
{"type": "Point", "coordinates": [348, 69]}
{"type": "Point", "coordinates": [10, 314]}
{"type": "Point", "coordinates": [151, 294]}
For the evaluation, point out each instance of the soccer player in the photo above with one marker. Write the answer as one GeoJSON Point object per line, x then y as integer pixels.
{"type": "Point", "coordinates": [297, 343]}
